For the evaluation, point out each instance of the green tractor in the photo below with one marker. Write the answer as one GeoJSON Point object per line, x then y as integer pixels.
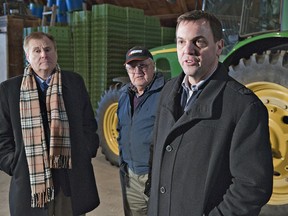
{"type": "Point", "coordinates": [256, 53]}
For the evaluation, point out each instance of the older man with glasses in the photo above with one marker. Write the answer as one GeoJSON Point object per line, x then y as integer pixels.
{"type": "Point", "coordinates": [136, 115]}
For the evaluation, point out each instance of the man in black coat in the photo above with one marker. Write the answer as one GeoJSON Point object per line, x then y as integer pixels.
{"type": "Point", "coordinates": [212, 154]}
{"type": "Point", "coordinates": [47, 136]}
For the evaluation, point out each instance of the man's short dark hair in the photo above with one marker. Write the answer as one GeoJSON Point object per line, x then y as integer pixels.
{"type": "Point", "coordinates": [214, 22]}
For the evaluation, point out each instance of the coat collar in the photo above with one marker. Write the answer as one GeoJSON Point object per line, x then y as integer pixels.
{"type": "Point", "coordinates": [203, 107]}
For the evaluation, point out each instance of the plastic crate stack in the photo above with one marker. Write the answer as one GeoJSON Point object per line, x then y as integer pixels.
{"type": "Point", "coordinates": [152, 32]}
{"type": "Point", "coordinates": [81, 29]}
{"type": "Point", "coordinates": [109, 46]}
{"type": "Point", "coordinates": [29, 30]}
{"type": "Point", "coordinates": [63, 38]}
{"type": "Point", "coordinates": [167, 35]}
{"type": "Point", "coordinates": [135, 27]}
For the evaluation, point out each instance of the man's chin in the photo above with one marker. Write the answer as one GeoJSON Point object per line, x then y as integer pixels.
{"type": "Point", "coordinates": [46, 70]}
{"type": "Point", "coordinates": [190, 71]}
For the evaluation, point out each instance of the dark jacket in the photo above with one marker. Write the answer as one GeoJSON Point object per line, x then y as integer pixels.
{"type": "Point", "coordinates": [84, 145]}
{"type": "Point", "coordinates": [216, 158]}
{"type": "Point", "coordinates": [135, 130]}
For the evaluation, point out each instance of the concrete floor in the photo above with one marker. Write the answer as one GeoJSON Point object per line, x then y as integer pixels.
{"type": "Point", "coordinates": [108, 184]}
{"type": "Point", "coordinates": [110, 193]}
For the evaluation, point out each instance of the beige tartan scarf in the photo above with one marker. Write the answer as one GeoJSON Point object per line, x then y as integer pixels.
{"type": "Point", "coordinates": [39, 162]}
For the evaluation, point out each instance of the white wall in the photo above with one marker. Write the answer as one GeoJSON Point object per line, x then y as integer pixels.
{"type": "Point", "coordinates": [3, 56]}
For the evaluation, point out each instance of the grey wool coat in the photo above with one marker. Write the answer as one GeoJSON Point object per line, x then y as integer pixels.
{"type": "Point", "coordinates": [84, 145]}
{"type": "Point", "coordinates": [216, 158]}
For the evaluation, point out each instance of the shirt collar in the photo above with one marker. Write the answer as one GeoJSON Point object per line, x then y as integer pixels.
{"type": "Point", "coordinates": [40, 80]}
{"type": "Point", "coordinates": [186, 85]}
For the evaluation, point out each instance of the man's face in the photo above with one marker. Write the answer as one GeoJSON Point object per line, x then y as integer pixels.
{"type": "Point", "coordinates": [197, 52]}
{"type": "Point", "coordinates": [141, 73]}
{"type": "Point", "coordinates": [42, 56]}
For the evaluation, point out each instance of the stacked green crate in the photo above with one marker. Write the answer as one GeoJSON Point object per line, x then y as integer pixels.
{"type": "Point", "coordinates": [63, 38]}
{"type": "Point", "coordinates": [81, 29]}
{"type": "Point", "coordinates": [109, 46]}
{"type": "Point", "coordinates": [135, 27]}
{"type": "Point", "coordinates": [167, 35]}
{"type": "Point", "coordinates": [29, 30]}
{"type": "Point", "coordinates": [152, 32]}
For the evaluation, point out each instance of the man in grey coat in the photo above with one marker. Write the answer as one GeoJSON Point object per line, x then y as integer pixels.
{"type": "Point", "coordinates": [47, 136]}
{"type": "Point", "coordinates": [212, 154]}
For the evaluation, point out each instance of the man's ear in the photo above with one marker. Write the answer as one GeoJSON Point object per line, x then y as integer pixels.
{"type": "Point", "coordinates": [219, 46]}
{"type": "Point", "coordinates": [27, 57]}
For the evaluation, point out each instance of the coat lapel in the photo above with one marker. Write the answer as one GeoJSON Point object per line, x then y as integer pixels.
{"type": "Point", "coordinates": [204, 105]}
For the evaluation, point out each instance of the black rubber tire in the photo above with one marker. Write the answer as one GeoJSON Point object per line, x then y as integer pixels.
{"type": "Point", "coordinates": [270, 67]}
{"type": "Point", "coordinates": [108, 134]}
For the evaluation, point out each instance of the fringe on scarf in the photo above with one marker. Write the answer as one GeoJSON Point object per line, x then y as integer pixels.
{"type": "Point", "coordinates": [60, 161]}
{"type": "Point", "coordinates": [40, 199]}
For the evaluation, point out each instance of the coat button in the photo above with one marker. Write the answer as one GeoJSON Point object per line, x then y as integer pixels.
{"type": "Point", "coordinates": [169, 148]}
{"type": "Point", "coordinates": [162, 190]}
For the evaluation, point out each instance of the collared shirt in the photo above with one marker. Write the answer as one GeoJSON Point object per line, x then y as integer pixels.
{"type": "Point", "coordinates": [41, 81]}
{"type": "Point", "coordinates": [192, 89]}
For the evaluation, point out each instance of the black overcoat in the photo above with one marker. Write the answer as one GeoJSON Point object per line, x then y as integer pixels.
{"type": "Point", "coordinates": [84, 145]}
{"type": "Point", "coordinates": [215, 159]}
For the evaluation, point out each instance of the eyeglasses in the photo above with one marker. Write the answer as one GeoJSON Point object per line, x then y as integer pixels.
{"type": "Point", "coordinates": [132, 69]}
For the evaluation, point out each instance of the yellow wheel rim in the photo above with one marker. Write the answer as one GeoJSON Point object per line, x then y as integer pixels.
{"type": "Point", "coordinates": [109, 127]}
{"type": "Point", "coordinates": [275, 98]}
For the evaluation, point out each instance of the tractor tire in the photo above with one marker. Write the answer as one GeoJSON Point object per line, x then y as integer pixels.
{"type": "Point", "coordinates": [267, 76]}
{"type": "Point", "coordinates": [107, 123]}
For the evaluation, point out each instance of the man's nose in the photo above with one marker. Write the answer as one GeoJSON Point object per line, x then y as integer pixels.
{"type": "Point", "coordinates": [138, 69]}
{"type": "Point", "coordinates": [43, 53]}
{"type": "Point", "coordinates": [190, 48]}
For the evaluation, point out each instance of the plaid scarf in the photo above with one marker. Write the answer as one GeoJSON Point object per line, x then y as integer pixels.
{"type": "Point", "coordinates": [39, 162]}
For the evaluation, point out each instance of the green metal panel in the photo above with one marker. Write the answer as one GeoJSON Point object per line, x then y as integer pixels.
{"type": "Point", "coordinates": [284, 18]}
{"type": "Point", "coordinates": [166, 59]}
{"type": "Point", "coordinates": [251, 40]}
